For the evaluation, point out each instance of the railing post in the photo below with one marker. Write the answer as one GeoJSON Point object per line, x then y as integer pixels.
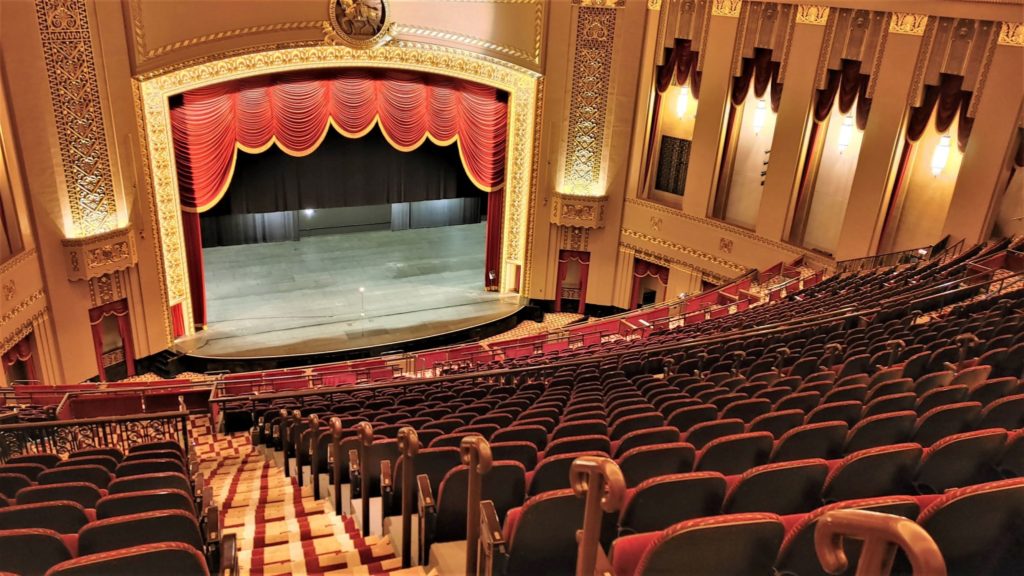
{"type": "Point", "coordinates": [476, 454]}
{"type": "Point", "coordinates": [365, 432]}
{"type": "Point", "coordinates": [408, 448]}
{"type": "Point", "coordinates": [881, 534]}
{"type": "Point", "coordinates": [335, 461]}
{"type": "Point", "coordinates": [600, 481]}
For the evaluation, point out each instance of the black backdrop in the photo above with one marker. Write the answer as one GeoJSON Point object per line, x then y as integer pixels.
{"type": "Point", "coordinates": [344, 172]}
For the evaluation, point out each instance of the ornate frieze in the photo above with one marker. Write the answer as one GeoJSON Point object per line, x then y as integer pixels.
{"type": "Point", "coordinates": [1011, 34]}
{"type": "Point", "coordinates": [95, 256]}
{"type": "Point", "coordinates": [908, 23]}
{"type": "Point", "coordinates": [78, 113]}
{"type": "Point", "coordinates": [812, 14]}
{"type": "Point", "coordinates": [728, 8]}
{"type": "Point", "coordinates": [588, 108]}
{"type": "Point", "coordinates": [578, 211]}
{"type": "Point", "coordinates": [693, 252]}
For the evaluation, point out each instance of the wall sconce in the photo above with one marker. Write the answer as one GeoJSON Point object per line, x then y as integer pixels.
{"type": "Point", "coordinates": [683, 100]}
{"type": "Point", "coordinates": [760, 114]}
{"type": "Point", "coordinates": [846, 133]}
{"type": "Point", "coordinates": [941, 155]}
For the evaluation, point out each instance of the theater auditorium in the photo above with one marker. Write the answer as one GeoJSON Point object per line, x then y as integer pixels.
{"type": "Point", "coordinates": [511, 287]}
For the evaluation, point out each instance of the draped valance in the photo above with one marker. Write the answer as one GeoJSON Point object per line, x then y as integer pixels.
{"type": "Point", "coordinates": [851, 87]}
{"type": "Point", "coordinates": [295, 111]}
{"type": "Point", "coordinates": [946, 100]}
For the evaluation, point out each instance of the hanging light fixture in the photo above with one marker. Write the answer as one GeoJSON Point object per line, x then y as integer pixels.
{"type": "Point", "coordinates": [846, 133]}
{"type": "Point", "coordinates": [683, 101]}
{"type": "Point", "coordinates": [941, 155]}
{"type": "Point", "coordinates": [760, 114]}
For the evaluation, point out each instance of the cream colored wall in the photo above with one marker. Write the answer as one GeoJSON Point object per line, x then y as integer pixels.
{"type": "Point", "coordinates": [745, 188]}
{"type": "Point", "coordinates": [832, 185]}
{"type": "Point", "coordinates": [1010, 215]}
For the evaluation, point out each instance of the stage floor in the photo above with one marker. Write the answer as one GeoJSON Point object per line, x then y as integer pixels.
{"type": "Point", "coordinates": [292, 298]}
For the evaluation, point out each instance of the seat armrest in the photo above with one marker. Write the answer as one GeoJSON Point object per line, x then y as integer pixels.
{"type": "Point", "coordinates": [494, 549]}
{"type": "Point", "coordinates": [427, 515]}
{"type": "Point", "coordinates": [228, 565]}
{"type": "Point", "coordinates": [354, 476]}
{"type": "Point", "coordinates": [386, 480]}
{"type": "Point", "coordinates": [212, 525]}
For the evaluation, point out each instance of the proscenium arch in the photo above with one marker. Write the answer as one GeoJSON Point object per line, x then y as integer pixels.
{"type": "Point", "coordinates": [153, 92]}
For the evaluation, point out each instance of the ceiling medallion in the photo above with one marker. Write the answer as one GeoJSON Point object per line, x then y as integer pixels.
{"type": "Point", "coordinates": [359, 23]}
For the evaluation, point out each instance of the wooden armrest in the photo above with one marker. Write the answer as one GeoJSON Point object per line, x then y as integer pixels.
{"type": "Point", "coordinates": [212, 524]}
{"type": "Point", "coordinates": [228, 556]}
{"type": "Point", "coordinates": [490, 527]}
{"type": "Point", "coordinates": [353, 461]}
{"type": "Point", "coordinates": [385, 476]}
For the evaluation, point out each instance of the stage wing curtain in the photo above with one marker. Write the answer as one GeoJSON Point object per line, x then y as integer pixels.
{"type": "Point", "coordinates": [295, 112]}
{"type": "Point", "coordinates": [492, 256]}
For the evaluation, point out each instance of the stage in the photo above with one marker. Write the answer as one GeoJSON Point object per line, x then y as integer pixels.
{"type": "Point", "coordinates": [303, 298]}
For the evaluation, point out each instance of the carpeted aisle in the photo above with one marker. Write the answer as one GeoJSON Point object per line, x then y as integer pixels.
{"type": "Point", "coordinates": [280, 528]}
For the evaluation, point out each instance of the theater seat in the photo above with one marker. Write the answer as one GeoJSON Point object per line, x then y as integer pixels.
{"type": "Point", "coordinates": [881, 471]}
{"type": "Point", "coordinates": [138, 529]}
{"type": "Point", "coordinates": [80, 492]}
{"type": "Point", "coordinates": [782, 488]}
{"type": "Point", "coordinates": [727, 545]}
{"type": "Point", "coordinates": [735, 454]}
{"type": "Point", "coordinates": [63, 516]}
{"type": "Point", "coordinates": [880, 430]}
{"type": "Point", "coordinates": [960, 460]}
{"type": "Point", "coordinates": [31, 551]}
{"type": "Point", "coordinates": [822, 440]}
{"type": "Point", "coordinates": [541, 535]}
{"type": "Point", "coordinates": [145, 501]}
{"type": "Point", "coordinates": [660, 502]}
{"type": "Point", "coordinates": [645, 462]}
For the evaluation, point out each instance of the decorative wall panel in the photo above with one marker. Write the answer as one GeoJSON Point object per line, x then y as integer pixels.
{"type": "Point", "coordinates": [77, 108]}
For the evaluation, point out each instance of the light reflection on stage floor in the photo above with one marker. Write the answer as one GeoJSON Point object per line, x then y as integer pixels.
{"type": "Point", "coordinates": [303, 297]}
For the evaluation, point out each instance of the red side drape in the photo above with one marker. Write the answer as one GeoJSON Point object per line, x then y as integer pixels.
{"type": "Point", "coordinates": [21, 352]}
{"type": "Point", "coordinates": [124, 327]}
{"type": "Point", "coordinates": [850, 86]}
{"type": "Point", "coordinates": [583, 258]}
{"type": "Point", "coordinates": [294, 111]}
{"type": "Point", "coordinates": [193, 235]}
{"type": "Point", "coordinates": [643, 269]}
{"type": "Point", "coordinates": [178, 320]}
{"type": "Point", "coordinates": [492, 252]}
{"type": "Point", "coordinates": [680, 63]}
{"type": "Point", "coordinates": [947, 100]}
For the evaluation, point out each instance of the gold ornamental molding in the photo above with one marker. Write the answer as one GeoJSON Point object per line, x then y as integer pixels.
{"type": "Point", "coordinates": [1011, 34]}
{"type": "Point", "coordinates": [812, 14]}
{"type": "Point", "coordinates": [11, 264]}
{"type": "Point", "coordinates": [728, 8]}
{"type": "Point", "coordinates": [654, 5]}
{"type": "Point", "coordinates": [679, 248]}
{"type": "Point", "coordinates": [588, 100]}
{"type": "Point", "coordinates": [578, 211]}
{"type": "Point", "coordinates": [78, 113]}
{"type": "Point", "coordinates": [152, 93]}
{"type": "Point", "coordinates": [908, 23]}
{"type": "Point", "coordinates": [600, 3]}
{"type": "Point", "coordinates": [95, 256]}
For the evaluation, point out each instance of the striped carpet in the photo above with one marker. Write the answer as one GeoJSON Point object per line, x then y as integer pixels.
{"type": "Point", "coordinates": [279, 527]}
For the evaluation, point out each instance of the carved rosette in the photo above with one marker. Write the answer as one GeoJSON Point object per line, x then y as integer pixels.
{"type": "Point", "coordinates": [578, 211]}
{"type": "Point", "coordinates": [98, 255]}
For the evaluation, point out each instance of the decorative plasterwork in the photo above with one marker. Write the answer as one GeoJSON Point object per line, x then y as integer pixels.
{"type": "Point", "coordinates": [34, 305]}
{"type": "Point", "coordinates": [678, 248]}
{"type": "Point", "coordinates": [446, 36]}
{"type": "Point", "coordinates": [908, 23]}
{"type": "Point", "coordinates": [107, 288]}
{"type": "Point", "coordinates": [578, 211]}
{"type": "Point", "coordinates": [729, 8]}
{"type": "Point", "coordinates": [13, 263]}
{"type": "Point", "coordinates": [1011, 34]}
{"type": "Point", "coordinates": [78, 114]}
{"type": "Point", "coordinates": [654, 4]}
{"type": "Point", "coordinates": [574, 239]}
{"type": "Point", "coordinates": [600, 3]}
{"type": "Point", "coordinates": [588, 101]}
{"type": "Point", "coordinates": [153, 91]}
{"type": "Point", "coordinates": [635, 251]}
{"type": "Point", "coordinates": [94, 256]}
{"type": "Point", "coordinates": [811, 14]}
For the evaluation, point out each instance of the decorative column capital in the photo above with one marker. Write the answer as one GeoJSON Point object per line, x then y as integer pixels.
{"type": "Point", "coordinates": [1011, 34]}
{"type": "Point", "coordinates": [812, 14]}
{"type": "Point", "coordinates": [606, 3]}
{"type": "Point", "coordinates": [728, 8]}
{"type": "Point", "coordinates": [908, 23]}
{"type": "Point", "coordinates": [578, 211]}
{"type": "Point", "coordinates": [95, 256]}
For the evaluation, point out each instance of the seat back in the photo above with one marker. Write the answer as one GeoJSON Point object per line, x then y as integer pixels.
{"type": "Point", "coordinates": [44, 459]}
{"type": "Point", "coordinates": [646, 437]}
{"type": "Point", "coordinates": [138, 529]}
{"type": "Point", "coordinates": [592, 443]}
{"type": "Point", "coordinates": [848, 412]}
{"type": "Point", "coordinates": [940, 397]}
{"type": "Point", "coordinates": [580, 428]}
{"type": "Point", "coordinates": [702, 434]}
{"type": "Point", "coordinates": [154, 455]}
{"type": "Point", "coordinates": [80, 492]}
{"type": "Point", "coordinates": [947, 420]}
{"type": "Point", "coordinates": [635, 422]}
{"type": "Point", "coordinates": [63, 516]}
{"type": "Point", "coordinates": [797, 555]}
{"type": "Point", "coordinates": [880, 430]}
{"type": "Point", "coordinates": [726, 545]}
{"type": "Point", "coordinates": [1006, 413]}
{"type": "Point", "coordinates": [978, 528]}
{"type": "Point", "coordinates": [991, 390]}
{"type": "Point", "coordinates": [776, 423]}
{"type": "Point", "coordinates": [524, 453]}
{"type": "Point", "coordinates": [106, 462]}
{"type": "Point", "coordinates": [685, 418]}
{"type": "Point", "coordinates": [534, 434]}
{"type": "Point", "coordinates": [31, 551]}
{"type": "Point", "coordinates": [153, 466]}
{"type": "Point", "coordinates": [30, 470]}
{"type": "Point", "coordinates": [552, 473]}
{"type": "Point", "coordinates": [692, 495]}
{"type": "Point", "coordinates": [144, 501]}
{"type": "Point", "coordinates": [95, 475]}
{"type": "Point", "coordinates": [172, 558]}
{"type": "Point", "coordinates": [781, 488]}
{"type": "Point", "coordinates": [158, 481]}
{"type": "Point", "coordinates": [11, 483]}
{"type": "Point", "coordinates": [736, 453]}
{"type": "Point", "coordinates": [542, 534]}
{"type": "Point", "coordinates": [873, 472]}
{"type": "Point", "coordinates": [157, 445]}
{"type": "Point", "coordinates": [645, 462]}
{"type": "Point", "coordinates": [960, 460]}
{"type": "Point", "coordinates": [823, 440]}
{"type": "Point", "coordinates": [504, 485]}
{"type": "Point", "coordinates": [747, 410]}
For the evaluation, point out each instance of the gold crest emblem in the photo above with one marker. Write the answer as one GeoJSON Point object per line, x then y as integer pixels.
{"type": "Point", "coordinates": [360, 23]}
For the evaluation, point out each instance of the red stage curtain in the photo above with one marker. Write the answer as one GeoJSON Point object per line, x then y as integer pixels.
{"type": "Point", "coordinates": [294, 111]}
{"type": "Point", "coordinates": [124, 327]}
{"type": "Point", "coordinates": [642, 269]}
{"type": "Point", "coordinates": [178, 320]}
{"type": "Point", "coordinates": [492, 256]}
{"type": "Point", "coordinates": [193, 232]}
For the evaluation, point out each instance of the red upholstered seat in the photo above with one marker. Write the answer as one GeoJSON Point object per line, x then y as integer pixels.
{"type": "Point", "coordinates": [659, 502]}
{"type": "Point", "coordinates": [31, 551]}
{"type": "Point", "coordinates": [881, 471]}
{"type": "Point", "coordinates": [173, 557]}
{"type": "Point", "coordinates": [960, 460]}
{"type": "Point", "coordinates": [880, 430]}
{"type": "Point", "coordinates": [643, 462]}
{"type": "Point", "coordinates": [821, 440]}
{"type": "Point", "coordinates": [736, 453]}
{"type": "Point", "coordinates": [781, 488]}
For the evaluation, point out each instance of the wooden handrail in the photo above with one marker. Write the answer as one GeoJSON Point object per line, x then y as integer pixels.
{"type": "Point", "coordinates": [476, 454]}
{"type": "Point", "coordinates": [881, 534]}
{"type": "Point", "coordinates": [335, 461]}
{"type": "Point", "coordinates": [600, 481]}
{"type": "Point", "coordinates": [408, 448]}
{"type": "Point", "coordinates": [364, 430]}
